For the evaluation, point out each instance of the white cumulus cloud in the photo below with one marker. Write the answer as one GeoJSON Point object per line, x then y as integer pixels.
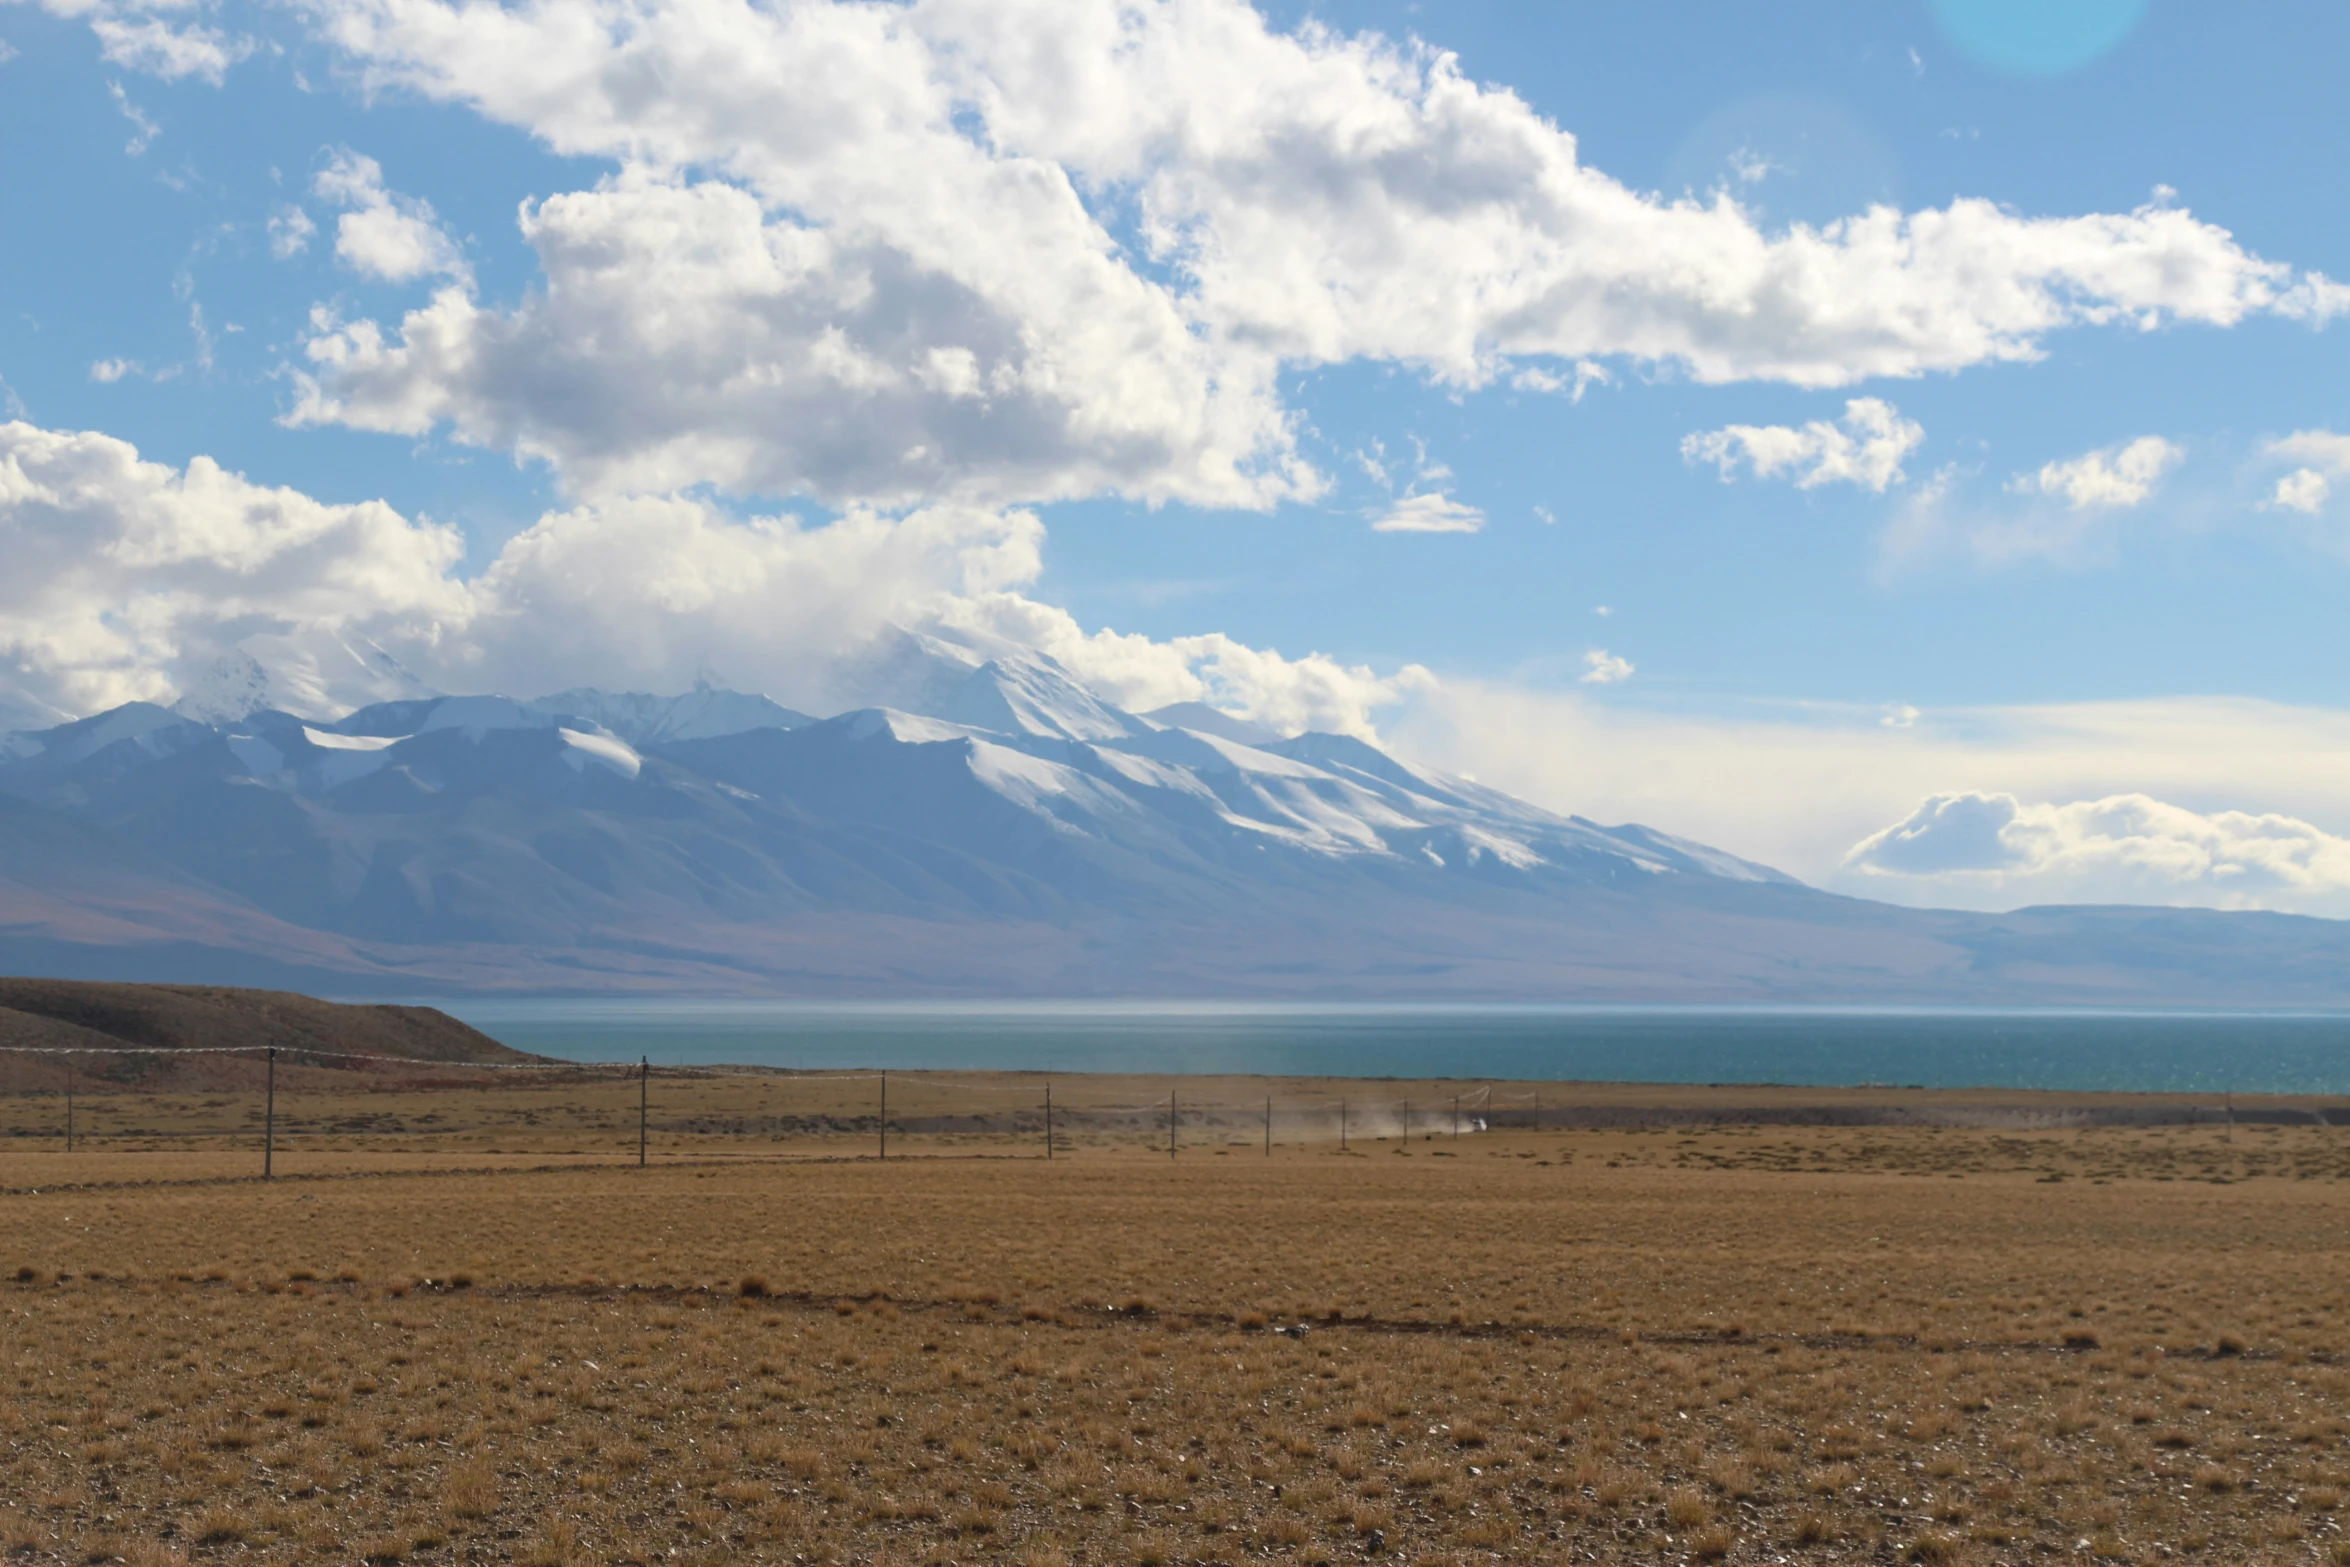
{"type": "Point", "coordinates": [2114, 477]}
{"type": "Point", "coordinates": [1866, 447]}
{"type": "Point", "coordinates": [2125, 848]}
{"type": "Point", "coordinates": [1602, 668]}
{"type": "Point", "coordinates": [684, 336]}
{"type": "Point", "coordinates": [1014, 250]}
{"type": "Point", "coordinates": [381, 233]}
{"type": "Point", "coordinates": [2304, 490]}
{"type": "Point", "coordinates": [2324, 459]}
{"type": "Point", "coordinates": [119, 568]}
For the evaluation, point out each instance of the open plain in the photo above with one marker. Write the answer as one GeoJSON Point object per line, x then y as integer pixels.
{"type": "Point", "coordinates": [1655, 1324]}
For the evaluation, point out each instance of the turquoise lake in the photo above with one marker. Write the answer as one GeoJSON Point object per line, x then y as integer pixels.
{"type": "Point", "coordinates": [2155, 1051]}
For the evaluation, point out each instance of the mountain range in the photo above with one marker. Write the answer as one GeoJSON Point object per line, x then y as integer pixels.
{"type": "Point", "coordinates": [1005, 832]}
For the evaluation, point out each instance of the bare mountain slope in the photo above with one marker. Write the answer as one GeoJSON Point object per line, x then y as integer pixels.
{"type": "Point", "coordinates": [142, 1033]}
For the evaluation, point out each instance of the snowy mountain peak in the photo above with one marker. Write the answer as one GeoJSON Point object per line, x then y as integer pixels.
{"type": "Point", "coordinates": [1200, 718]}
{"type": "Point", "coordinates": [907, 670]}
{"type": "Point", "coordinates": [704, 713]}
{"type": "Point", "coordinates": [311, 674]}
{"type": "Point", "coordinates": [1034, 696]}
{"type": "Point", "coordinates": [478, 715]}
{"type": "Point", "coordinates": [138, 722]}
{"type": "Point", "coordinates": [1021, 795]}
{"type": "Point", "coordinates": [21, 711]}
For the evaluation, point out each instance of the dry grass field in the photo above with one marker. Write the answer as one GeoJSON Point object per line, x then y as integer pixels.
{"type": "Point", "coordinates": [462, 1327]}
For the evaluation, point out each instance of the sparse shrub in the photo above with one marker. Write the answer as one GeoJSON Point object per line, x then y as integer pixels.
{"type": "Point", "coordinates": [1938, 1548]}
{"type": "Point", "coordinates": [1285, 1531]}
{"type": "Point", "coordinates": [471, 1490]}
{"type": "Point", "coordinates": [221, 1525]}
{"type": "Point", "coordinates": [554, 1545]}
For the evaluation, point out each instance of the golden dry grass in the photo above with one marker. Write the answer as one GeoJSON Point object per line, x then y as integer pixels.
{"type": "Point", "coordinates": [1617, 1343]}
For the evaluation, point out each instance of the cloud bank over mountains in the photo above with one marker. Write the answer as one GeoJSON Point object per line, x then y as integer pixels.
{"type": "Point", "coordinates": [2122, 849]}
{"type": "Point", "coordinates": [1806, 787]}
{"type": "Point", "coordinates": [928, 267]}
{"type": "Point", "coordinates": [136, 577]}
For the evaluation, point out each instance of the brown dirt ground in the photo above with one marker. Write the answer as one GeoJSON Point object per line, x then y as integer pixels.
{"type": "Point", "coordinates": [487, 1337]}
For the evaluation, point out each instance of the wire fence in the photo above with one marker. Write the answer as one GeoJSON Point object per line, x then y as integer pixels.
{"type": "Point", "coordinates": [285, 1106]}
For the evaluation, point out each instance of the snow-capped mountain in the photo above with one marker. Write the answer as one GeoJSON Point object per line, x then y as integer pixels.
{"type": "Point", "coordinates": [700, 714]}
{"type": "Point", "coordinates": [1021, 835]}
{"type": "Point", "coordinates": [21, 712]}
{"type": "Point", "coordinates": [315, 674]}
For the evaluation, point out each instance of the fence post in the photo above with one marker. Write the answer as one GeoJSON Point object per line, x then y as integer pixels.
{"type": "Point", "coordinates": [885, 1114]}
{"type": "Point", "coordinates": [1456, 1115]}
{"type": "Point", "coordinates": [69, 1076]}
{"type": "Point", "coordinates": [1342, 1126]}
{"type": "Point", "coordinates": [1406, 1139]}
{"type": "Point", "coordinates": [1048, 1120]}
{"type": "Point", "coordinates": [1268, 1126]}
{"type": "Point", "coordinates": [644, 1095]}
{"type": "Point", "coordinates": [1170, 1123]}
{"type": "Point", "coordinates": [269, 1122]}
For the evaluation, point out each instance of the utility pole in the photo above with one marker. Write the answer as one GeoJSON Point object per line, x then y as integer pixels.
{"type": "Point", "coordinates": [269, 1122]}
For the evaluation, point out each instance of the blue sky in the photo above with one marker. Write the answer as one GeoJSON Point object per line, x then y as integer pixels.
{"type": "Point", "coordinates": [2008, 613]}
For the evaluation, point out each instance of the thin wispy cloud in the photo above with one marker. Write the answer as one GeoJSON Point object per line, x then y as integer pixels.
{"type": "Point", "coordinates": [1429, 513]}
